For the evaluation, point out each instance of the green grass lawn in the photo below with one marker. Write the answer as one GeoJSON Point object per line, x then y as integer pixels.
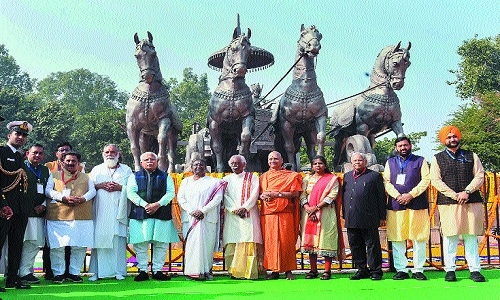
{"type": "Point", "coordinates": [339, 287]}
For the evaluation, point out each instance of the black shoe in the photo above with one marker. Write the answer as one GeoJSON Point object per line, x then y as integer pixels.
{"type": "Point", "coordinates": [143, 276]}
{"type": "Point", "coordinates": [477, 277]}
{"type": "Point", "coordinates": [48, 276]}
{"type": "Point", "coordinates": [58, 279]}
{"type": "Point", "coordinates": [160, 276]}
{"type": "Point", "coordinates": [450, 276]}
{"type": "Point", "coordinates": [401, 276]}
{"type": "Point", "coordinates": [18, 285]}
{"type": "Point", "coordinates": [2, 290]}
{"type": "Point", "coordinates": [30, 279]}
{"type": "Point", "coordinates": [74, 278]}
{"type": "Point", "coordinates": [376, 276]}
{"type": "Point", "coordinates": [418, 276]}
{"type": "Point", "coordinates": [360, 275]}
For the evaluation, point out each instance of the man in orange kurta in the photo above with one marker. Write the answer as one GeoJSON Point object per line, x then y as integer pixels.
{"type": "Point", "coordinates": [279, 190]}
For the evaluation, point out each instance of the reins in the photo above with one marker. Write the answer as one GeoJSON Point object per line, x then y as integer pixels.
{"type": "Point", "coordinates": [279, 81]}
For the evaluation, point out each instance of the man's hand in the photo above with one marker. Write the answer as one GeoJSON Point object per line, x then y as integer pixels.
{"type": "Point", "coordinates": [6, 212]}
{"type": "Point", "coordinates": [241, 212]}
{"type": "Point", "coordinates": [113, 186]}
{"type": "Point", "coordinates": [197, 214]}
{"type": "Point", "coordinates": [266, 196]}
{"type": "Point", "coordinates": [109, 186]}
{"type": "Point", "coordinates": [462, 197]}
{"type": "Point", "coordinates": [151, 208]}
{"type": "Point", "coordinates": [73, 200]}
{"type": "Point", "coordinates": [404, 199]}
{"type": "Point", "coordinates": [39, 209]}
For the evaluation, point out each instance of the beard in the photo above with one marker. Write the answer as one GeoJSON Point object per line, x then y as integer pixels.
{"type": "Point", "coordinates": [452, 144]}
{"type": "Point", "coordinates": [111, 162]}
{"type": "Point", "coordinates": [404, 153]}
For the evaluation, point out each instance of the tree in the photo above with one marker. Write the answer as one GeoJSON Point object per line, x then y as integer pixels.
{"type": "Point", "coordinates": [479, 70]}
{"type": "Point", "coordinates": [80, 107]}
{"type": "Point", "coordinates": [11, 74]}
{"type": "Point", "coordinates": [14, 85]}
{"type": "Point", "coordinates": [83, 89]}
{"type": "Point", "coordinates": [98, 128]}
{"type": "Point", "coordinates": [191, 97]}
{"type": "Point", "coordinates": [384, 148]}
{"type": "Point", "coordinates": [478, 79]}
{"type": "Point", "coordinates": [479, 124]}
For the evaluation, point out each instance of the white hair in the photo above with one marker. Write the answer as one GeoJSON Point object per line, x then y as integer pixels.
{"type": "Point", "coordinates": [363, 156]}
{"type": "Point", "coordinates": [111, 145]}
{"type": "Point", "coordinates": [146, 153]}
{"type": "Point", "coordinates": [241, 157]}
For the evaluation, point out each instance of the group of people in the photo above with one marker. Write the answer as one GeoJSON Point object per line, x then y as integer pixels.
{"type": "Point", "coordinates": [256, 220]}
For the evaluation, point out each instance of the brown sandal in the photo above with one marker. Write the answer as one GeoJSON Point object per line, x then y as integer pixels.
{"type": "Point", "coordinates": [312, 275]}
{"type": "Point", "coordinates": [326, 275]}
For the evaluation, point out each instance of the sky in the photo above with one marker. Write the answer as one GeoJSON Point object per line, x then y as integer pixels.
{"type": "Point", "coordinates": [47, 36]}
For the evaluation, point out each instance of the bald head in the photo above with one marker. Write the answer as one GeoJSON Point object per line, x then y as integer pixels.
{"type": "Point", "coordinates": [275, 160]}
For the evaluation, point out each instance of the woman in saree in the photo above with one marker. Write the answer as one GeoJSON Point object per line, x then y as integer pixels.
{"type": "Point", "coordinates": [319, 220]}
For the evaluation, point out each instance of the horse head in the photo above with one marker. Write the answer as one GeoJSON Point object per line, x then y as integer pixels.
{"type": "Point", "coordinates": [309, 41]}
{"type": "Point", "coordinates": [396, 61]}
{"type": "Point", "coordinates": [147, 60]}
{"type": "Point", "coordinates": [237, 53]}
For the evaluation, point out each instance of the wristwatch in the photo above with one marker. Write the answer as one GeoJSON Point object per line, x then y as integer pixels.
{"type": "Point", "coordinates": [468, 192]}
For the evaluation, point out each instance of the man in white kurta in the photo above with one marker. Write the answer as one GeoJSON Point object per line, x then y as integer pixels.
{"type": "Point", "coordinates": [109, 255]}
{"type": "Point", "coordinates": [242, 236]}
{"type": "Point", "coordinates": [69, 217]}
{"type": "Point", "coordinates": [199, 197]}
{"type": "Point", "coordinates": [150, 192]}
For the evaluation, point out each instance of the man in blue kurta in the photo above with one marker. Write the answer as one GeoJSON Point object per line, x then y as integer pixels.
{"type": "Point", "coordinates": [406, 179]}
{"type": "Point", "coordinates": [151, 192]}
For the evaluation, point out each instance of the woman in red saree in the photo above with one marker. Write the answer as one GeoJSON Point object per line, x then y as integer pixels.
{"type": "Point", "coordinates": [319, 220]}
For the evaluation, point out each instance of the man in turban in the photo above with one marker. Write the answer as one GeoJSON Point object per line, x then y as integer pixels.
{"type": "Point", "coordinates": [458, 174]}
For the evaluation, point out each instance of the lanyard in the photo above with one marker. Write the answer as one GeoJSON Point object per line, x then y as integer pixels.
{"type": "Point", "coordinates": [71, 179]}
{"type": "Point", "coordinates": [460, 158]}
{"type": "Point", "coordinates": [404, 163]}
{"type": "Point", "coordinates": [38, 172]}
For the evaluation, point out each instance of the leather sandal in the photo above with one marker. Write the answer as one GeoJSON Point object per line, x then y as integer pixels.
{"type": "Point", "coordinates": [326, 275]}
{"type": "Point", "coordinates": [312, 275]}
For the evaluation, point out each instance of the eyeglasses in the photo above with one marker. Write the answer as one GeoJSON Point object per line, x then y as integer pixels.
{"type": "Point", "coordinates": [64, 150]}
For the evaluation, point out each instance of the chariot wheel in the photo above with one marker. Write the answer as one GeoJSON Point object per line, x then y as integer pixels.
{"type": "Point", "coordinates": [357, 143]}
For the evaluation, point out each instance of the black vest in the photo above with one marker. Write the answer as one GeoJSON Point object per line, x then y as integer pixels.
{"type": "Point", "coordinates": [33, 196]}
{"type": "Point", "coordinates": [456, 174]}
{"type": "Point", "coordinates": [158, 185]}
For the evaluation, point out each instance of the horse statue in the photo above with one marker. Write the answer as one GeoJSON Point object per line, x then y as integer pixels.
{"type": "Point", "coordinates": [152, 121]}
{"type": "Point", "coordinates": [231, 111]}
{"type": "Point", "coordinates": [302, 112]}
{"type": "Point", "coordinates": [377, 108]}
